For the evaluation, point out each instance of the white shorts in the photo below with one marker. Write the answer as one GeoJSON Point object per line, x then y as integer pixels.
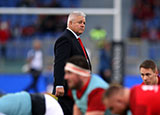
{"type": "Point", "coordinates": [52, 106]}
{"type": "Point", "coordinates": [1, 113]}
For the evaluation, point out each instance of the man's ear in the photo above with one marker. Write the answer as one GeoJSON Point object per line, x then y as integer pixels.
{"type": "Point", "coordinates": [157, 71]}
{"type": "Point", "coordinates": [70, 23]}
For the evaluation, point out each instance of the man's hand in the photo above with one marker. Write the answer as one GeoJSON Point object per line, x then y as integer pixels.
{"type": "Point", "coordinates": [59, 91]}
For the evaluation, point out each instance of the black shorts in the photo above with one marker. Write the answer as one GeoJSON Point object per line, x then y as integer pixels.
{"type": "Point", "coordinates": [38, 104]}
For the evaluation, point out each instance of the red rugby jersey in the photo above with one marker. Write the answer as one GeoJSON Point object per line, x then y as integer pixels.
{"type": "Point", "coordinates": [144, 100]}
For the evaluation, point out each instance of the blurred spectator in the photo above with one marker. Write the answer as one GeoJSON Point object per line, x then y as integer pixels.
{"type": "Point", "coordinates": [146, 19]}
{"type": "Point", "coordinates": [158, 33]}
{"type": "Point", "coordinates": [147, 12]}
{"type": "Point", "coordinates": [70, 3]}
{"type": "Point", "coordinates": [135, 31]}
{"type": "Point", "coordinates": [48, 3]}
{"type": "Point", "coordinates": [144, 32]}
{"type": "Point", "coordinates": [98, 35]}
{"type": "Point", "coordinates": [153, 34]}
{"type": "Point", "coordinates": [4, 37]}
{"type": "Point", "coordinates": [138, 4]}
{"type": "Point", "coordinates": [43, 26]}
{"type": "Point", "coordinates": [156, 8]}
{"type": "Point", "coordinates": [28, 31]}
{"type": "Point", "coordinates": [26, 3]}
{"type": "Point", "coordinates": [52, 24]}
{"type": "Point", "coordinates": [16, 31]}
{"type": "Point", "coordinates": [105, 62]}
{"type": "Point", "coordinates": [35, 61]}
{"type": "Point", "coordinates": [48, 24]}
{"type": "Point", "coordinates": [142, 10]}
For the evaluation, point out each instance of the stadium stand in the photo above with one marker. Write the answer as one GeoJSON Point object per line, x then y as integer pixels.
{"type": "Point", "coordinates": [25, 28]}
{"type": "Point", "coordinates": [146, 22]}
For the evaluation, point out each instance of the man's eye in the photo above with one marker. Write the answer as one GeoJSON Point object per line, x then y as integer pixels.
{"type": "Point", "coordinates": [148, 74]}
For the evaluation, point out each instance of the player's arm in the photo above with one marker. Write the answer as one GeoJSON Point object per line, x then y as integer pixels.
{"type": "Point", "coordinates": [95, 104]}
{"type": "Point", "coordinates": [76, 110]}
{"type": "Point", "coordinates": [30, 56]}
{"type": "Point", "coordinates": [95, 113]}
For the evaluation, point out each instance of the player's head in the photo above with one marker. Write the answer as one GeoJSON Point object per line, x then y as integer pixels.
{"type": "Point", "coordinates": [116, 99]}
{"type": "Point", "coordinates": [36, 44]}
{"type": "Point", "coordinates": [76, 71]}
{"type": "Point", "coordinates": [76, 22]}
{"type": "Point", "coordinates": [149, 72]}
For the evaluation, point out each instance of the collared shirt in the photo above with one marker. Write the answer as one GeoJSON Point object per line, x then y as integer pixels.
{"type": "Point", "coordinates": [79, 41]}
{"type": "Point", "coordinates": [73, 32]}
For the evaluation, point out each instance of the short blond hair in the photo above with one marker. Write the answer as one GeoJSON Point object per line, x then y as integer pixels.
{"type": "Point", "coordinates": [114, 89]}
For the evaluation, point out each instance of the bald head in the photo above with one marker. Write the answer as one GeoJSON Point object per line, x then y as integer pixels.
{"type": "Point", "coordinates": [37, 44]}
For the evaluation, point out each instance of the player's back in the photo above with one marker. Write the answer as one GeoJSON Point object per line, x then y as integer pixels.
{"type": "Point", "coordinates": [145, 100]}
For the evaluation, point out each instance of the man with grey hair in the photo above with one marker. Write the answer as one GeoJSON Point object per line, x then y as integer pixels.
{"type": "Point", "coordinates": [66, 46]}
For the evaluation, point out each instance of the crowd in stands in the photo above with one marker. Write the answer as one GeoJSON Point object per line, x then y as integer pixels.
{"type": "Point", "coordinates": [28, 26]}
{"type": "Point", "coordinates": [39, 3]}
{"type": "Point", "coordinates": [146, 19]}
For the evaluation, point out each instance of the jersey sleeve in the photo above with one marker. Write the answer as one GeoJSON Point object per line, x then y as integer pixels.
{"type": "Point", "coordinates": [70, 93]}
{"type": "Point", "coordinates": [95, 100]}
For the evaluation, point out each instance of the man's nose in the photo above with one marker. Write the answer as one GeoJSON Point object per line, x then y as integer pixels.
{"type": "Point", "coordinates": [145, 77]}
{"type": "Point", "coordinates": [83, 25]}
